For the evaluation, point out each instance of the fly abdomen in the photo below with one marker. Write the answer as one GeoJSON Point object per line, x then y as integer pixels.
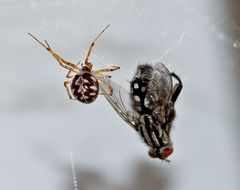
{"type": "Point", "coordinates": [138, 94]}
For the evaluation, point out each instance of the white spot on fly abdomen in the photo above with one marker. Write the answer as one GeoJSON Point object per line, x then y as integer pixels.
{"type": "Point", "coordinates": [135, 86]}
{"type": "Point", "coordinates": [136, 98]}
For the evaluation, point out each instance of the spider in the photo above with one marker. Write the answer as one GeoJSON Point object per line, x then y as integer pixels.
{"type": "Point", "coordinates": [84, 85]}
{"type": "Point", "coordinates": [149, 106]}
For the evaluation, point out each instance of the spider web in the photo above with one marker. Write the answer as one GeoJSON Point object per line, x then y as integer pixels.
{"type": "Point", "coordinates": [198, 40]}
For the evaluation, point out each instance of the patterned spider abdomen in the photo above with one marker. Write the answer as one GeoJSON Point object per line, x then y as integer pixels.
{"type": "Point", "coordinates": [85, 87]}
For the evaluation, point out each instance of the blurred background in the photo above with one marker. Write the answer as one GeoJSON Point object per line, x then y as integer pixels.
{"type": "Point", "coordinates": [48, 142]}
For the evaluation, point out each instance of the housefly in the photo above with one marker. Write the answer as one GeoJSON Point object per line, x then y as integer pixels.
{"type": "Point", "coordinates": [149, 106]}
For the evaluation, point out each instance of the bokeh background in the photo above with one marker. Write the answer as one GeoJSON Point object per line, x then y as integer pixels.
{"type": "Point", "coordinates": [47, 141]}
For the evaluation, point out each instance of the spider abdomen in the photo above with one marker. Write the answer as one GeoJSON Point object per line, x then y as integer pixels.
{"type": "Point", "coordinates": [85, 87]}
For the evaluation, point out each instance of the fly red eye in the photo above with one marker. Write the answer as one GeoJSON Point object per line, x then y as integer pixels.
{"type": "Point", "coordinates": [166, 152]}
{"type": "Point", "coordinates": [161, 153]}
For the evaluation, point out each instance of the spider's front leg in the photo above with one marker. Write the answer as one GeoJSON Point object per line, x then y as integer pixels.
{"type": "Point", "coordinates": [177, 88]}
{"type": "Point", "coordinates": [65, 64]}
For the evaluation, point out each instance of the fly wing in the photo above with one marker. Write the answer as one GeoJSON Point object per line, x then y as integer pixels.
{"type": "Point", "coordinates": [119, 100]}
{"type": "Point", "coordinates": [162, 82]}
{"type": "Point", "coordinates": [159, 91]}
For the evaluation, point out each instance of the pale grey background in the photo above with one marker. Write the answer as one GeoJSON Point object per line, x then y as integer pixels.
{"type": "Point", "coordinates": [40, 127]}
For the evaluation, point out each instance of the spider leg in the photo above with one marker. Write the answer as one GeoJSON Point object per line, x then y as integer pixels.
{"type": "Point", "coordinates": [108, 86]}
{"type": "Point", "coordinates": [67, 87]}
{"type": "Point", "coordinates": [99, 75]}
{"type": "Point", "coordinates": [114, 68]}
{"type": "Point", "coordinates": [177, 88]}
{"type": "Point", "coordinates": [69, 72]}
{"type": "Point", "coordinates": [87, 63]}
{"type": "Point", "coordinates": [65, 64]}
{"type": "Point", "coordinates": [99, 72]}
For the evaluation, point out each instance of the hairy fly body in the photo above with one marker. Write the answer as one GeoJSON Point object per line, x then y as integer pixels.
{"type": "Point", "coordinates": [149, 107]}
{"type": "Point", "coordinates": [154, 101]}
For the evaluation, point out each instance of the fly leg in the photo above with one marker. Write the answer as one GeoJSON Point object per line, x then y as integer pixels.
{"type": "Point", "coordinates": [177, 88]}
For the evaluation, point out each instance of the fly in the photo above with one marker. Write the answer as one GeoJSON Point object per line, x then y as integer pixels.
{"type": "Point", "coordinates": [149, 106]}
